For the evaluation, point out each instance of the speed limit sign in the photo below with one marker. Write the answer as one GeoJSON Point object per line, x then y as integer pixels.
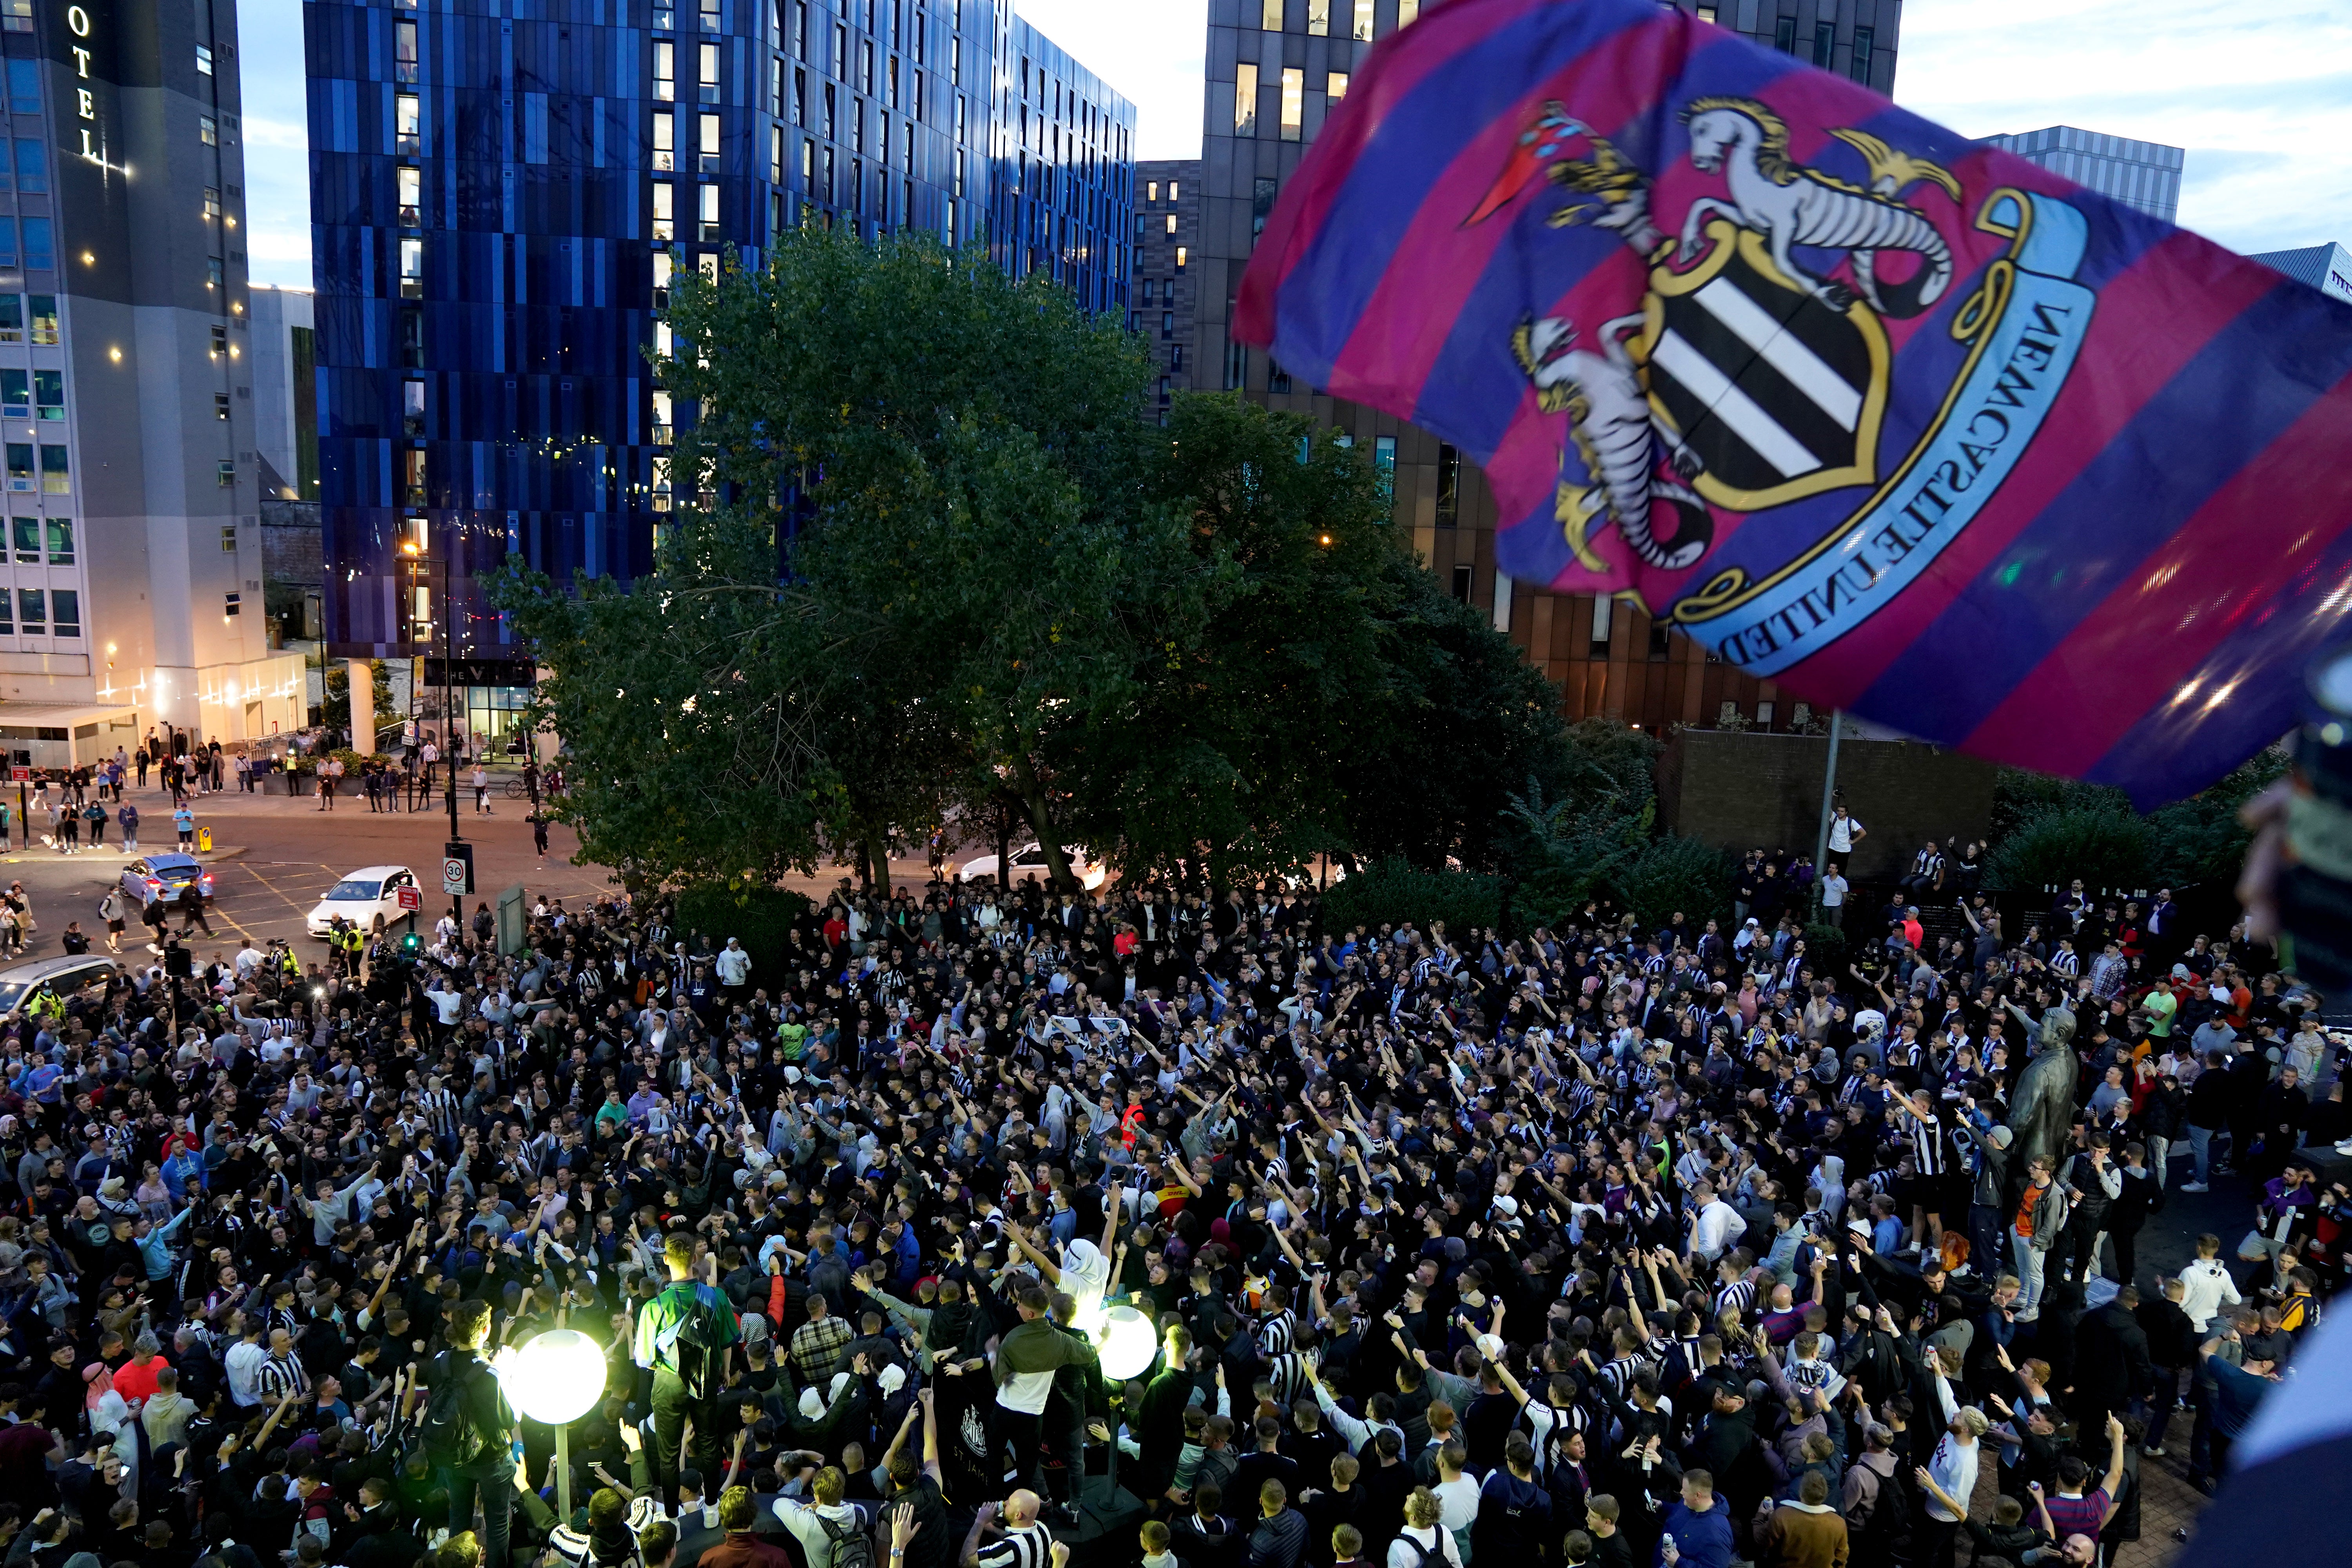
{"type": "Point", "coordinates": [453, 875]}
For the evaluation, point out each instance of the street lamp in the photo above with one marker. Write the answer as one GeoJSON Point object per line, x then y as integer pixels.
{"type": "Point", "coordinates": [417, 550]}
{"type": "Point", "coordinates": [555, 1379]}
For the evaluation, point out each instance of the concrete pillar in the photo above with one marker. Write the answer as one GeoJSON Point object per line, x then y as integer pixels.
{"type": "Point", "coordinates": [363, 678]}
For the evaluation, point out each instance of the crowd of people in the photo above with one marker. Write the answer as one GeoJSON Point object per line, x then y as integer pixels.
{"type": "Point", "coordinates": [1620, 1243]}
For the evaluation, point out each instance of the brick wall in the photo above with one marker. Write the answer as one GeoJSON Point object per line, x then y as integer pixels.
{"type": "Point", "coordinates": [1752, 790]}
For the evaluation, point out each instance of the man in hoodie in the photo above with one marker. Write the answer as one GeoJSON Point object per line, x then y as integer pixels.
{"type": "Point", "coordinates": [1514, 1522]}
{"type": "Point", "coordinates": [1279, 1541]}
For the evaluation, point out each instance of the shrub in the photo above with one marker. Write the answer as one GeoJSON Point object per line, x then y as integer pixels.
{"type": "Point", "coordinates": [1677, 873]}
{"type": "Point", "coordinates": [760, 918]}
{"type": "Point", "coordinates": [1391, 892]}
{"type": "Point", "coordinates": [2105, 846]}
{"type": "Point", "coordinates": [1825, 949]}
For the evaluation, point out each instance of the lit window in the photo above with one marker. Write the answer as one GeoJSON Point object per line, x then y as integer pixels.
{"type": "Point", "coordinates": [1172, 222]}
{"type": "Point", "coordinates": [412, 197]}
{"type": "Point", "coordinates": [204, 59]}
{"type": "Point", "coordinates": [665, 210]}
{"type": "Point", "coordinates": [1363, 21]}
{"type": "Point", "coordinates": [710, 215]}
{"type": "Point", "coordinates": [1335, 87]}
{"type": "Point", "coordinates": [44, 310]}
{"type": "Point", "coordinates": [220, 406]}
{"type": "Point", "coordinates": [208, 130]}
{"type": "Point", "coordinates": [404, 51]}
{"type": "Point", "coordinates": [61, 542]}
{"type": "Point", "coordinates": [1172, 191]}
{"type": "Point", "coordinates": [220, 342]}
{"type": "Point", "coordinates": [1246, 100]}
{"type": "Point", "coordinates": [1406, 11]}
{"type": "Point", "coordinates": [412, 269]}
{"type": "Point", "coordinates": [1151, 191]}
{"type": "Point", "coordinates": [1293, 103]}
{"type": "Point", "coordinates": [55, 479]}
{"type": "Point", "coordinates": [407, 124]}
{"type": "Point", "coordinates": [1180, 258]}
{"type": "Point", "coordinates": [709, 145]}
{"type": "Point", "coordinates": [1318, 18]}
{"type": "Point", "coordinates": [412, 408]}
{"type": "Point", "coordinates": [665, 69]}
{"type": "Point", "coordinates": [211, 201]}
{"type": "Point", "coordinates": [710, 77]}
{"type": "Point", "coordinates": [1270, 16]}
{"type": "Point", "coordinates": [1707, 13]}
{"type": "Point", "coordinates": [665, 140]}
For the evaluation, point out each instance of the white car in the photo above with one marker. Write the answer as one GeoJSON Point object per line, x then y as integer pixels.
{"type": "Point", "coordinates": [1029, 861]}
{"type": "Point", "coordinates": [362, 895]}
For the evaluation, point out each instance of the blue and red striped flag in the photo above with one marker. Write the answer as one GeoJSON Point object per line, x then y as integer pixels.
{"type": "Point", "coordinates": [1902, 422]}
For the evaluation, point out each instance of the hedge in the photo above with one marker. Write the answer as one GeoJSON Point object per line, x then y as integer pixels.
{"type": "Point", "coordinates": [760, 918]}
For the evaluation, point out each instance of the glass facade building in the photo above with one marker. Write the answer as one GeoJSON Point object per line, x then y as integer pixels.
{"type": "Point", "coordinates": [500, 195]}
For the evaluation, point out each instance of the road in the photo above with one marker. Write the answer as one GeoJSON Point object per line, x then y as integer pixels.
{"type": "Point", "coordinates": [290, 853]}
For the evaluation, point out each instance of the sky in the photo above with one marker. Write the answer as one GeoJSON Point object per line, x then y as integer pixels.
{"type": "Point", "coordinates": [2259, 91]}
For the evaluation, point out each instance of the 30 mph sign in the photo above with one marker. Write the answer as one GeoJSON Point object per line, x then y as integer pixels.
{"type": "Point", "coordinates": [453, 875]}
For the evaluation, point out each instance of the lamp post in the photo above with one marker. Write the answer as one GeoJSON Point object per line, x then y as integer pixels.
{"type": "Point", "coordinates": [555, 1379]}
{"type": "Point", "coordinates": [418, 552]}
{"type": "Point", "coordinates": [1128, 1340]}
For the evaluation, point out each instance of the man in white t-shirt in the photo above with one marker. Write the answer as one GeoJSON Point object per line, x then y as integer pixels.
{"type": "Point", "coordinates": [1844, 832]}
{"type": "Point", "coordinates": [1833, 890]}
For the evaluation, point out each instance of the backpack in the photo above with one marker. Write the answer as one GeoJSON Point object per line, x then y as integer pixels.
{"type": "Point", "coordinates": [852, 1547]}
{"type": "Point", "coordinates": [451, 1438]}
{"type": "Point", "coordinates": [687, 1344]}
{"type": "Point", "coordinates": [1422, 1554]}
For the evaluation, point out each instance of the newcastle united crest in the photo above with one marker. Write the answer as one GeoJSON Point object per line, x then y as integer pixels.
{"type": "Point", "coordinates": [1754, 376]}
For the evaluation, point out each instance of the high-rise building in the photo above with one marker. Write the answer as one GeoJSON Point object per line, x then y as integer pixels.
{"type": "Point", "coordinates": [2326, 268]}
{"type": "Point", "coordinates": [2142, 174]}
{"type": "Point", "coordinates": [285, 457]}
{"type": "Point", "coordinates": [500, 197]}
{"type": "Point", "coordinates": [1276, 69]}
{"type": "Point", "coordinates": [1167, 239]}
{"type": "Point", "coordinates": [130, 595]}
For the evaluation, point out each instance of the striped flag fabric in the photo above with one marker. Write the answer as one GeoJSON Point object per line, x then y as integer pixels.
{"type": "Point", "coordinates": [1902, 422]}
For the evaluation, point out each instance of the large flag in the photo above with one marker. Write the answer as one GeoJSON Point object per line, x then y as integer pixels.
{"type": "Point", "coordinates": [1905, 423]}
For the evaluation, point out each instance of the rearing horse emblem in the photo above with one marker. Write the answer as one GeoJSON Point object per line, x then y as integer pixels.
{"type": "Point", "coordinates": [1761, 377]}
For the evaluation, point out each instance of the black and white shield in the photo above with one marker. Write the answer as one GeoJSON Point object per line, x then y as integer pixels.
{"type": "Point", "coordinates": [1779, 395]}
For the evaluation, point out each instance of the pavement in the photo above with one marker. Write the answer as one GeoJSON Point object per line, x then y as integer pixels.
{"type": "Point", "coordinates": [275, 857]}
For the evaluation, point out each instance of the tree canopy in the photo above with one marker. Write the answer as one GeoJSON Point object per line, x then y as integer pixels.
{"type": "Point", "coordinates": [929, 559]}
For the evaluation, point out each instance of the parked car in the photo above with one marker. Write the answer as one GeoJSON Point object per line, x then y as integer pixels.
{"type": "Point", "coordinates": [362, 895]}
{"type": "Point", "coordinates": [59, 977]}
{"type": "Point", "coordinates": [1029, 861]}
{"type": "Point", "coordinates": [154, 878]}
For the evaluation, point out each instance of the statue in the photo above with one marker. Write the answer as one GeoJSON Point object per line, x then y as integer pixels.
{"type": "Point", "coordinates": [2042, 1108]}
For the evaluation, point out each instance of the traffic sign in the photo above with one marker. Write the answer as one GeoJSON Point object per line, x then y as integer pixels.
{"type": "Point", "coordinates": [19, 776]}
{"type": "Point", "coordinates": [457, 867]}
{"type": "Point", "coordinates": [411, 897]}
{"type": "Point", "coordinates": [453, 875]}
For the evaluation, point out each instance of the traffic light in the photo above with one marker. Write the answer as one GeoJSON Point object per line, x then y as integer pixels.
{"type": "Point", "coordinates": [410, 944]}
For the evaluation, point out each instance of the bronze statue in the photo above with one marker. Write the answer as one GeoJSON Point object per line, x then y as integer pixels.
{"type": "Point", "coordinates": [2042, 1108]}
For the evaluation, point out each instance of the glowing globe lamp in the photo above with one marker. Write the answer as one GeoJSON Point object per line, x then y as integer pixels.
{"type": "Point", "coordinates": [1129, 1340]}
{"type": "Point", "coordinates": [557, 1377]}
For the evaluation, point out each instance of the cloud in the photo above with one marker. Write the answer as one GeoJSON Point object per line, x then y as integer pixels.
{"type": "Point", "coordinates": [1149, 51]}
{"type": "Point", "coordinates": [2234, 81]}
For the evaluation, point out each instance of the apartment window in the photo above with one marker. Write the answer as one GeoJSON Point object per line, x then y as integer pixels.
{"type": "Point", "coordinates": [1262, 193]}
{"type": "Point", "coordinates": [1278, 380]}
{"type": "Point", "coordinates": [1707, 13]}
{"type": "Point", "coordinates": [220, 406]}
{"type": "Point", "coordinates": [1270, 15]}
{"type": "Point", "coordinates": [664, 16]}
{"type": "Point", "coordinates": [1172, 222]}
{"type": "Point", "coordinates": [49, 394]}
{"type": "Point", "coordinates": [664, 431]}
{"type": "Point", "coordinates": [15, 395]}
{"type": "Point", "coordinates": [1661, 639]}
{"type": "Point", "coordinates": [232, 605]}
{"type": "Point", "coordinates": [24, 85]}
{"type": "Point", "coordinates": [800, 96]}
{"type": "Point", "coordinates": [894, 82]}
{"type": "Point", "coordinates": [412, 407]}
{"type": "Point", "coordinates": [1167, 325]}
{"type": "Point", "coordinates": [17, 16]}
{"type": "Point", "coordinates": [832, 113]}
{"type": "Point", "coordinates": [1364, 29]}
{"type": "Point", "coordinates": [709, 213]}
{"type": "Point", "coordinates": [1246, 100]}
{"type": "Point", "coordinates": [44, 310]}
{"type": "Point", "coordinates": [32, 168]}
{"type": "Point", "coordinates": [1864, 41]}
{"type": "Point", "coordinates": [12, 318]}
{"type": "Point", "coordinates": [67, 602]}
{"type": "Point", "coordinates": [775, 154]}
{"type": "Point", "coordinates": [1335, 85]}
{"type": "Point", "coordinates": [1236, 366]}
{"type": "Point", "coordinates": [1152, 192]}
{"type": "Point", "coordinates": [208, 130]}
{"type": "Point", "coordinates": [204, 59]}
{"type": "Point", "coordinates": [40, 251]}
{"type": "Point", "coordinates": [212, 202]}
{"type": "Point", "coordinates": [411, 478]}
{"type": "Point", "coordinates": [1466, 578]}
{"type": "Point", "coordinates": [710, 71]}
{"type": "Point", "coordinates": [1176, 357]}
{"type": "Point", "coordinates": [665, 210]}
{"type": "Point", "coordinates": [29, 534]}
{"type": "Point", "coordinates": [220, 342]}
{"type": "Point", "coordinates": [1293, 103]}
{"type": "Point", "coordinates": [665, 140]}
{"type": "Point", "coordinates": [1172, 196]}
{"type": "Point", "coordinates": [1318, 18]}
{"type": "Point", "coordinates": [1784, 34]}
{"type": "Point", "coordinates": [1407, 12]}
{"type": "Point", "coordinates": [412, 270]}
{"type": "Point", "coordinates": [406, 124]}
{"type": "Point", "coordinates": [1449, 485]}
{"type": "Point", "coordinates": [20, 477]}
{"type": "Point", "coordinates": [665, 69]}
{"type": "Point", "coordinates": [1824, 43]}
{"type": "Point", "coordinates": [710, 15]}
{"type": "Point", "coordinates": [412, 197]}
{"type": "Point", "coordinates": [1181, 252]}
{"type": "Point", "coordinates": [33, 612]}
{"type": "Point", "coordinates": [55, 479]}
{"type": "Point", "coordinates": [709, 145]}
{"type": "Point", "coordinates": [404, 51]}
{"type": "Point", "coordinates": [412, 338]}
{"type": "Point", "coordinates": [1764, 715]}
{"type": "Point", "coordinates": [61, 541]}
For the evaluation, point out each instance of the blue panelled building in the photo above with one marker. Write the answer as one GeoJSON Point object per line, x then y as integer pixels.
{"type": "Point", "coordinates": [500, 192]}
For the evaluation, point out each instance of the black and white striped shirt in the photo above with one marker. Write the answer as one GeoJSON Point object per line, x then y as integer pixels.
{"type": "Point", "coordinates": [1029, 1547]}
{"type": "Point", "coordinates": [274, 1379]}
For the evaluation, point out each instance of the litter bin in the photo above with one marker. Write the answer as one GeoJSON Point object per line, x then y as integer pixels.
{"type": "Point", "coordinates": [204, 840]}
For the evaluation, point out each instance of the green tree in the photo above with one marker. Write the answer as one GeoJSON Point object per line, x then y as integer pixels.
{"type": "Point", "coordinates": [335, 706]}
